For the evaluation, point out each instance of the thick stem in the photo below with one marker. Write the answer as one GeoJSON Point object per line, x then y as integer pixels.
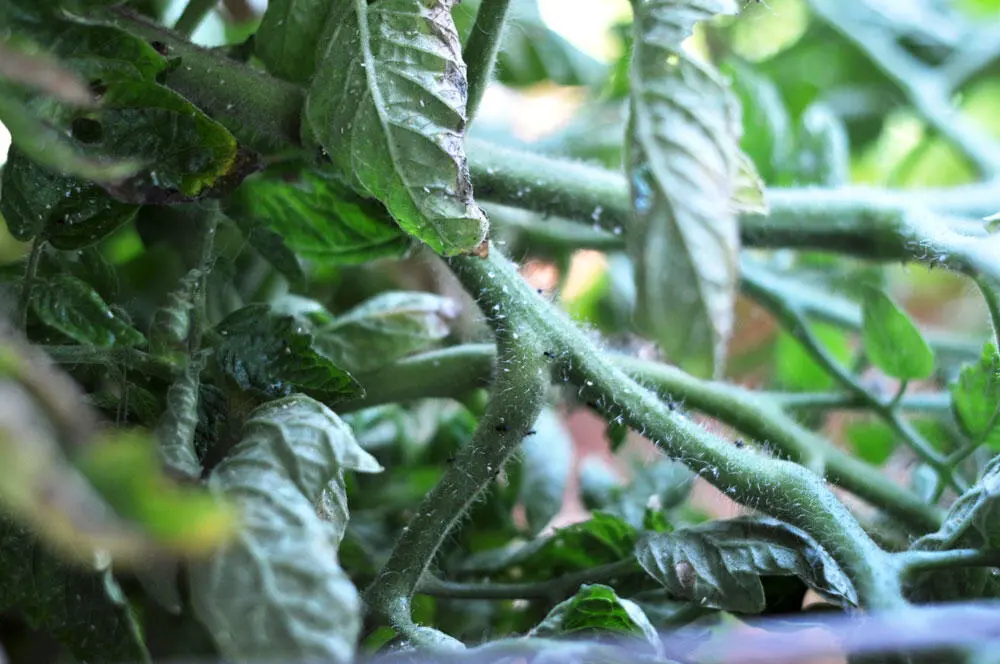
{"type": "Point", "coordinates": [480, 52]}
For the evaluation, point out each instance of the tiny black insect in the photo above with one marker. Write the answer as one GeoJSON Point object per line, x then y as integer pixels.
{"type": "Point", "coordinates": [530, 432]}
{"type": "Point", "coordinates": [549, 354]}
{"type": "Point", "coordinates": [160, 47]}
{"type": "Point", "coordinates": [739, 442]}
{"type": "Point", "coordinates": [450, 460]}
{"type": "Point", "coordinates": [500, 428]}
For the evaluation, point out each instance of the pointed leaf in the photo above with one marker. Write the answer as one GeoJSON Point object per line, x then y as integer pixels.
{"type": "Point", "coordinates": [683, 163]}
{"type": "Point", "coordinates": [546, 460]}
{"type": "Point", "coordinates": [278, 592]}
{"type": "Point", "coordinates": [975, 398]}
{"type": "Point", "coordinates": [274, 356]}
{"type": "Point", "coordinates": [288, 36]}
{"type": "Point", "coordinates": [892, 341]}
{"type": "Point", "coordinates": [385, 328]}
{"type": "Point", "coordinates": [388, 105]}
{"type": "Point", "coordinates": [72, 307]}
{"type": "Point", "coordinates": [176, 428]}
{"type": "Point", "coordinates": [317, 218]}
{"type": "Point", "coordinates": [597, 609]}
{"type": "Point", "coordinates": [720, 564]}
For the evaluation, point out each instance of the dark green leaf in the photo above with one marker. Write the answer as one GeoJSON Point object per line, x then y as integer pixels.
{"type": "Point", "coordinates": [274, 356]}
{"type": "Point", "coordinates": [83, 608]}
{"type": "Point", "coordinates": [720, 564]}
{"type": "Point", "coordinates": [683, 164]}
{"type": "Point", "coordinates": [383, 329]}
{"type": "Point", "coordinates": [72, 307]}
{"type": "Point", "coordinates": [273, 249]}
{"type": "Point", "coordinates": [596, 609]}
{"type": "Point", "coordinates": [172, 322]}
{"type": "Point", "coordinates": [603, 539]}
{"type": "Point", "coordinates": [893, 343]}
{"type": "Point", "coordinates": [975, 398]}
{"type": "Point", "coordinates": [288, 36]}
{"type": "Point", "coordinates": [175, 431]}
{"type": "Point", "coordinates": [281, 575]}
{"type": "Point", "coordinates": [388, 105]}
{"type": "Point", "coordinates": [546, 458]}
{"type": "Point", "coordinates": [657, 486]}
{"type": "Point", "coordinates": [318, 218]}
{"type": "Point", "coordinates": [104, 53]}
{"type": "Point", "coordinates": [66, 211]}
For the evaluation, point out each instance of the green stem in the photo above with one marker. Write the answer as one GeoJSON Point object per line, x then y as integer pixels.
{"type": "Point", "coordinates": [455, 371]}
{"type": "Point", "coordinates": [480, 52]}
{"type": "Point", "coordinates": [28, 284]}
{"type": "Point", "coordinates": [553, 589]}
{"type": "Point", "coordinates": [992, 297]}
{"type": "Point", "coordinates": [134, 359]}
{"type": "Point", "coordinates": [194, 13]}
{"type": "Point", "coordinates": [516, 399]}
{"type": "Point", "coordinates": [923, 561]}
{"type": "Point", "coordinates": [936, 402]}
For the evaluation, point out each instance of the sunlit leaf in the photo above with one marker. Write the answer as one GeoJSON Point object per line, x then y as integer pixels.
{"type": "Point", "coordinates": [720, 564]}
{"type": "Point", "coordinates": [278, 591]}
{"type": "Point", "coordinates": [388, 105]}
{"type": "Point", "coordinates": [892, 341]}
{"type": "Point", "coordinates": [975, 398]}
{"type": "Point", "coordinates": [72, 307]}
{"type": "Point", "coordinates": [595, 610]}
{"type": "Point", "coordinates": [683, 163]}
{"type": "Point", "coordinates": [274, 356]}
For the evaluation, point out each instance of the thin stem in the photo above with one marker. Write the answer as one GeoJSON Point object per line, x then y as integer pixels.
{"type": "Point", "coordinates": [893, 404]}
{"type": "Point", "coordinates": [992, 298]}
{"type": "Point", "coordinates": [937, 402]}
{"type": "Point", "coordinates": [28, 284]}
{"type": "Point", "coordinates": [138, 360]}
{"type": "Point", "coordinates": [480, 52]}
{"type": "Point", "coordinates": [923, 561]}
{"type": "Point", "coordinates": [553, 589]}
{"type": "Point", "coordinates": [194, 13]}
{"type": "Point", "coordinates": [796, 324]}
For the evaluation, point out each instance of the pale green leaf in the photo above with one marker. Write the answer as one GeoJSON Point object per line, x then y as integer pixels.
{"type": "Point", "coordinates": [720, 564]}
{"type": "Point", "coordinates": [383, 329]}
{"type": "Point", "coordinates": [824, 153]}
{"type": "Point", "coordinates": [175, 431]}
{"type": "Point", "coordinates": [683, 166]}
{"type": "Point", "coordinates": [975, 398]}
{"type": "Point", "coordinates": [388, 105]}
{"type": "Point", "coordinates": [892, 341]}
{"type": "Point", "coordinates": [546, 460]}
{"type": "Point", "coordinates": [278, 592]}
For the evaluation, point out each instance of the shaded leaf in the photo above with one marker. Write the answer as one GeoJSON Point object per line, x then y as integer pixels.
{"type": "Point", "coordinates": [683, 163]}
{"type": "Point", "coordinates": [171, 323]}
{"type": "Point", "coordinates": [546, 460]}
{"type": "Point", "coordinates": [603, 539]}
{"type": "Point", "coordinates": [385, 328]}
{"type": "Point", "coordinates": [893, 343]}
{"type": "Point", "coordinates": [660, 485]}
{"type": "Point", "coordinates": [72, 307]}
{"type": "Point", "coordinates": [104, 53]}
{"type": "Point", "coordinates": [317, 218]}
{"type": "Point", "coordinates": [289, 35]}
{"type": "Point", "coordinates": [975, 398]}
{"type": "Point", "coordinates": [278, 591]}
{"type": "Point", "coordinates": [767, 129]}
{"type": "Point", "coordinates": [720, 564]}
{"type": "Point", "coordinates": [274, 356]}
{"type": "Point", "coordinates": [66, 211]}
{"type": "Point", "coordinates": [598, 609]}
{"type": "Point", "coordinates": [823, 155]}
{"type": "Point", "coordinates": [388, 105]}
{"type": "Point", "coordinates": [81, 606]}
{"type": "Point", "coordinates": [175, 431]}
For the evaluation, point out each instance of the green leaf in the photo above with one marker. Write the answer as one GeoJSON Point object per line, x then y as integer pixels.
{"type": "Point", "coordinates": [104, 53]}
{"type": "Point", "coordinates": [766, 125]}
{"type": "Point", "coordinates": [188, 152]}
{"type": "Point", "coordinates": [278, 592]}
{"type": "Point", "coordinates": [657, 486]}
{"type": "Point", "coordinates": [795, 367]}
{"type": "Point", "coordinates": [892, 341]}
{"type": "Point", "coordinates": [748, 198]}
{"type": "Point", "coordinates": [317, 218]}
{"type": "Point", "coordinates": [388, 105]}
{"type": "Point", "coordinates": [84, 608]}
{"type": "Point", "coordinates": [823, 156]}
{"type": "Point", "coordinates": [176, 428]}
{"type": "Point", "coordinates": [66, 211]}
{"type": "Point", "coordinates": [603, 539]}
{"type": "Point", "coordinates": [872, 441]}
{"type": "Point", "coordinates": [385, 328]}
{"type": "Point", "coordinates": [72, 307]}
{"type": "Point", "coordinates": [274, 356]}
{"type": "Point", "coordinates": [972, 522]}
{"type": "Point", "coordinates": [975, 398]}
{"type": "Point", "coordinates": [683, 164]}
{"type": "Point", "coordinates": [720, 564]}
{"type": "Point", "coordinates": [598, 609]}
{"type": "Point", "coordinates": [289, 35]}
{"type": "Point", "coordinates": [171, 323]}
{"type": "Point", "coordinates": [546, 460]}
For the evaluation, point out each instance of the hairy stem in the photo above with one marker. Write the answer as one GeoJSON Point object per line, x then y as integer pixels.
{"type": "Point", "coordinates": [923, 561]}
{"type": "Point", "coordinates": [480, 52]}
